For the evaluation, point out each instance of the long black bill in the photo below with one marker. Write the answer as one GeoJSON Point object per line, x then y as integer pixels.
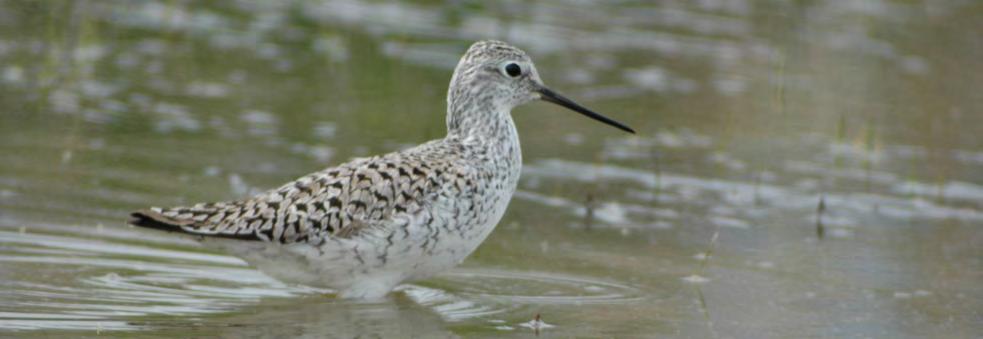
{"type": "Point", "coordinates": [556, 98]}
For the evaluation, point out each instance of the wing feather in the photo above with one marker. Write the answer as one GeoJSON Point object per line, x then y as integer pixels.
{"type": "Point", "coordinates": [337, 201]}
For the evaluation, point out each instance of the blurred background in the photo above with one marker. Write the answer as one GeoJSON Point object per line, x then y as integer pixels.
{"type": "Point", "coordinates": [802, 169]}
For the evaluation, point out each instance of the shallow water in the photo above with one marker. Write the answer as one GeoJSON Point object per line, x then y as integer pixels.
{"type": "Point", "coordinates": [805, 169]}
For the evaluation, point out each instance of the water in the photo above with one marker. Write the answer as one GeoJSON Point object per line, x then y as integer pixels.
{"type": "Point", "coordinates": [804, 169]}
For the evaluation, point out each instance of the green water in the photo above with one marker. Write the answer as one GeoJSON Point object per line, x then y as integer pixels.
{"type": "Point", "coordinates": [802, 169]}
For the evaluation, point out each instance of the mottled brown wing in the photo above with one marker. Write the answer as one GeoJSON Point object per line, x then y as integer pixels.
{"type": "Point", "coordinates": [335, 202]}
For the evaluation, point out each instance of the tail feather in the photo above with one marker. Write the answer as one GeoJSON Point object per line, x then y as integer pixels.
{"type": "Point", "coordinates": [151, 218]}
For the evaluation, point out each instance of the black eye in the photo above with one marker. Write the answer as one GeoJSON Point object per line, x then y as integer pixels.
{"type": "Point", "coordinates": [513, 70]}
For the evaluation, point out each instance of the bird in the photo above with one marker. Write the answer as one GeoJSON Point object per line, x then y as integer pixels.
{"type": "Point", "coordinates": [363, 227]}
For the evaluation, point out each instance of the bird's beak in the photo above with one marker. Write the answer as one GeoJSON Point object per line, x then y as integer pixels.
{"type": "Point", "coordinates": [548, 95]}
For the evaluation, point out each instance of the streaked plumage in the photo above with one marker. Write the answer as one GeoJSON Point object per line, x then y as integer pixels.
{"type": "Point", "coordinates": [365, 226]}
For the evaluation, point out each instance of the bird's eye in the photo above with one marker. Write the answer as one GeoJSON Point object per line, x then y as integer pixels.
{"type": "Point", "coordinates": [513, 70]}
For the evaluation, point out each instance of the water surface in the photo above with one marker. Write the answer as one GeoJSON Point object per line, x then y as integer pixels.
{"type": "Point", "coordinates": [802, 169]}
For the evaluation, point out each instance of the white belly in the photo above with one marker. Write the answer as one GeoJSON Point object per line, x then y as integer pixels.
{"type": "Point", "coordinates": [370, 264]}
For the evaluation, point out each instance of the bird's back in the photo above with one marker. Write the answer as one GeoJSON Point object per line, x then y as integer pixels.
{"type": "Point", "coordinates": [336, 202]}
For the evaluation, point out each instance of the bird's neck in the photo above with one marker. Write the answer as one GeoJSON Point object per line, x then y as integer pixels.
{"type": "Point", "coordinates": [486, 129]}
{"type": "Point", "coordinates": [476, 114]}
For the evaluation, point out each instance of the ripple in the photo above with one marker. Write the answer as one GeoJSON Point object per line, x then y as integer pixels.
{"type": "Point", "coordinates": [465, 294]}
{"type": "Point", "coordinates": [76, 281]}
{"type": "Point", "coordinates": [71, 281]}
{"type": "Point", "coordinates": [538, 288]}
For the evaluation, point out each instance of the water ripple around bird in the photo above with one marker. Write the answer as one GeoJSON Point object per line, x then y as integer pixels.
{"type": "Point", "coordinates": [62, 279]}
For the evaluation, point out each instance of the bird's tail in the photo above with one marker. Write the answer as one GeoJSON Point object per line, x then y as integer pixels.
{"type": "Point", "coordinates": [197, 220]}
{"type": "Point", "coordinates": [152, 218]}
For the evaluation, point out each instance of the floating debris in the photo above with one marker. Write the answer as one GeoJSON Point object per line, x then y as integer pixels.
{"type": "Point", "coordinates": [536, 324]}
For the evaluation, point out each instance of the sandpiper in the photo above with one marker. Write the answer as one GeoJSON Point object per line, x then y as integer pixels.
{"type": "Point", "coordinates": [365, 226]}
